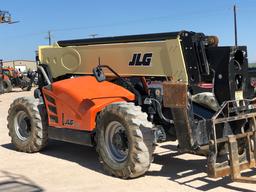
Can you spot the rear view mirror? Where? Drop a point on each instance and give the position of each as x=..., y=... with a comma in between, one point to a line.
x=99, y=74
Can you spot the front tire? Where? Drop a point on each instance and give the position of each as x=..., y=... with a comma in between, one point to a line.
x=27, y=124
x=124, y=140
x=27, y=82
x=7, y=85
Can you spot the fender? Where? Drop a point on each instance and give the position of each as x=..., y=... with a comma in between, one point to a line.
x=5, y=77
x=74, y=103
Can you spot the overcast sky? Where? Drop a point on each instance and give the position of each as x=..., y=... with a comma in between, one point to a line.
x=81, y=18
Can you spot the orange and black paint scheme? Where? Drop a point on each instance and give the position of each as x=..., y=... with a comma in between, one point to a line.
x=1, y=77
x=74, y=103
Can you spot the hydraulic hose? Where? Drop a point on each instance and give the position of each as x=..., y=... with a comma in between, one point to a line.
x=159, y=111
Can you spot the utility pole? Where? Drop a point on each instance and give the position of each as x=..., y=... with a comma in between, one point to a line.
x=235, y=24
x=49, y=37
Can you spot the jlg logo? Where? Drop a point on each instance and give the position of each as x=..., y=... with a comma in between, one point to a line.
x=136, y=60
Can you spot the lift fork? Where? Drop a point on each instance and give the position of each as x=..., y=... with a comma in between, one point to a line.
x=241, y=148
x=236, y=165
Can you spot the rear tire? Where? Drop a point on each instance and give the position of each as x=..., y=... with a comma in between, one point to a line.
x=7, y=85
x=124, y=140
x=28, y=88
x=27, y=124
x=28, y=83
x=207, y=99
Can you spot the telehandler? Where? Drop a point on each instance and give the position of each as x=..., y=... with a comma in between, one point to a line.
x=14, y=78
x=1, y=77
x=125, y=94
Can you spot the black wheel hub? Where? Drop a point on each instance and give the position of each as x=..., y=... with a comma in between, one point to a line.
x=120, y=140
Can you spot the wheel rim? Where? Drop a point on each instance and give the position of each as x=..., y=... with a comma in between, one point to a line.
x=22, y=125
x=116, y=141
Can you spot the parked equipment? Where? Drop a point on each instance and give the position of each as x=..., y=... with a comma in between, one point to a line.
x=1, y=77
x=5, y=17
x=125, y=94
x=14, y=78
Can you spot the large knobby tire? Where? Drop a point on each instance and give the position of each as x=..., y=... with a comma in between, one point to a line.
x=206, y=99
x=28, y=88
x=7, y=85
x=124, y=140
x=28, y=84
x=27, y=124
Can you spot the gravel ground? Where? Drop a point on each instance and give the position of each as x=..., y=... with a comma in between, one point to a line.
x=68, y=167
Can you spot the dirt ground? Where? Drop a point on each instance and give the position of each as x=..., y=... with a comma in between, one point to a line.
x=68, y=167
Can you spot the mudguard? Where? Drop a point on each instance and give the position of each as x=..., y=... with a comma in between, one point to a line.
x=5, y=77
x=74, y=103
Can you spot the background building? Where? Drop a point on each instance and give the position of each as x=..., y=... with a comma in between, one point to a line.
x=23, y=65
x=252, y=65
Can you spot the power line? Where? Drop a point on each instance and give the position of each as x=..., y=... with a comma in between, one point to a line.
x=201, y=15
